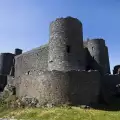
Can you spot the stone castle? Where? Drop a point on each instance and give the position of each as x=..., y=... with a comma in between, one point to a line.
x=66, y=70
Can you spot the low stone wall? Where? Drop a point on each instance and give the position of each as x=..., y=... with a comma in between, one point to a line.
x=55, y=87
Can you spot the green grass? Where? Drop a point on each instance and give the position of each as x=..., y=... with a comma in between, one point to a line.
x=59, y=113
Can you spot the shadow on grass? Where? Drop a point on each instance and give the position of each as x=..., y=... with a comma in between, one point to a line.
x=115, y=106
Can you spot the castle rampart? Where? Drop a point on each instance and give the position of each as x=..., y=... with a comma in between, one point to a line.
x=36, y=59
x=58, y=87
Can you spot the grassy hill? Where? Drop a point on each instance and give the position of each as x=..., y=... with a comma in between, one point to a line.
x=59, y=113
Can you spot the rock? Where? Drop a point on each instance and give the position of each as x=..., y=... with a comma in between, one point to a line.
x=1, y=95
x=85, y=106
x=38, y=105
x=20, y=103
x=10, y=89
x=8, y=94
x=49, y=105
x=29, y=101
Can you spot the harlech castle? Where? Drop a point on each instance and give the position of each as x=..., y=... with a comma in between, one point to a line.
x=65, y=70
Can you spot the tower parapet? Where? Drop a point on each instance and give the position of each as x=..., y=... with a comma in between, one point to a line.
x=66, y=45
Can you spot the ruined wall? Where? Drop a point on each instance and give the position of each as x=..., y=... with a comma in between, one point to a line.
x=66, y=45
x=36, y=59
x=57, y=87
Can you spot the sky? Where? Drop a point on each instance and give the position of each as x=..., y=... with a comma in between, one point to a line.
x=24, y=24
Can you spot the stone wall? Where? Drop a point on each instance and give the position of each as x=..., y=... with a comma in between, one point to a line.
x=108, y=86
x=75, y=87
x=36, y=59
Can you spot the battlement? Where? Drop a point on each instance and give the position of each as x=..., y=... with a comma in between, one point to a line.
x=96, y=41
x=61, y=20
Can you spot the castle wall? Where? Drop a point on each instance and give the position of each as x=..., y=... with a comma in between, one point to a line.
x=66, y=45
x=108, y=86
x=57, y=87
x=36, y=59
x=6, y=62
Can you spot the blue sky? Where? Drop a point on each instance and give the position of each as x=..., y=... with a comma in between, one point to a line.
x=25, y=23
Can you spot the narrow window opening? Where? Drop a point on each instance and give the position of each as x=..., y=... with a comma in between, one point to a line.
x=68, y=49
x=50, y=61
x=92, y=48
x=28, y=72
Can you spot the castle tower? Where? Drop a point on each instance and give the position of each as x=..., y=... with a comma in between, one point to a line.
x=18, y=51
x=66, y=45
x=116, y=69
x=99, y=52
x=6, y=62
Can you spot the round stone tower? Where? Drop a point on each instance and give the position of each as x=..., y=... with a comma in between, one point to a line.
x=116, y=69
x=6, y=62
x=66, y=45
x=18, y=51
x=99, y=52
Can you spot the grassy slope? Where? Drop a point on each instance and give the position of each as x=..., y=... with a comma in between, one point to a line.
x=59, y=113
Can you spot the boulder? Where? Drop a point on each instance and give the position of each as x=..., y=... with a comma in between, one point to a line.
x=29, y=101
